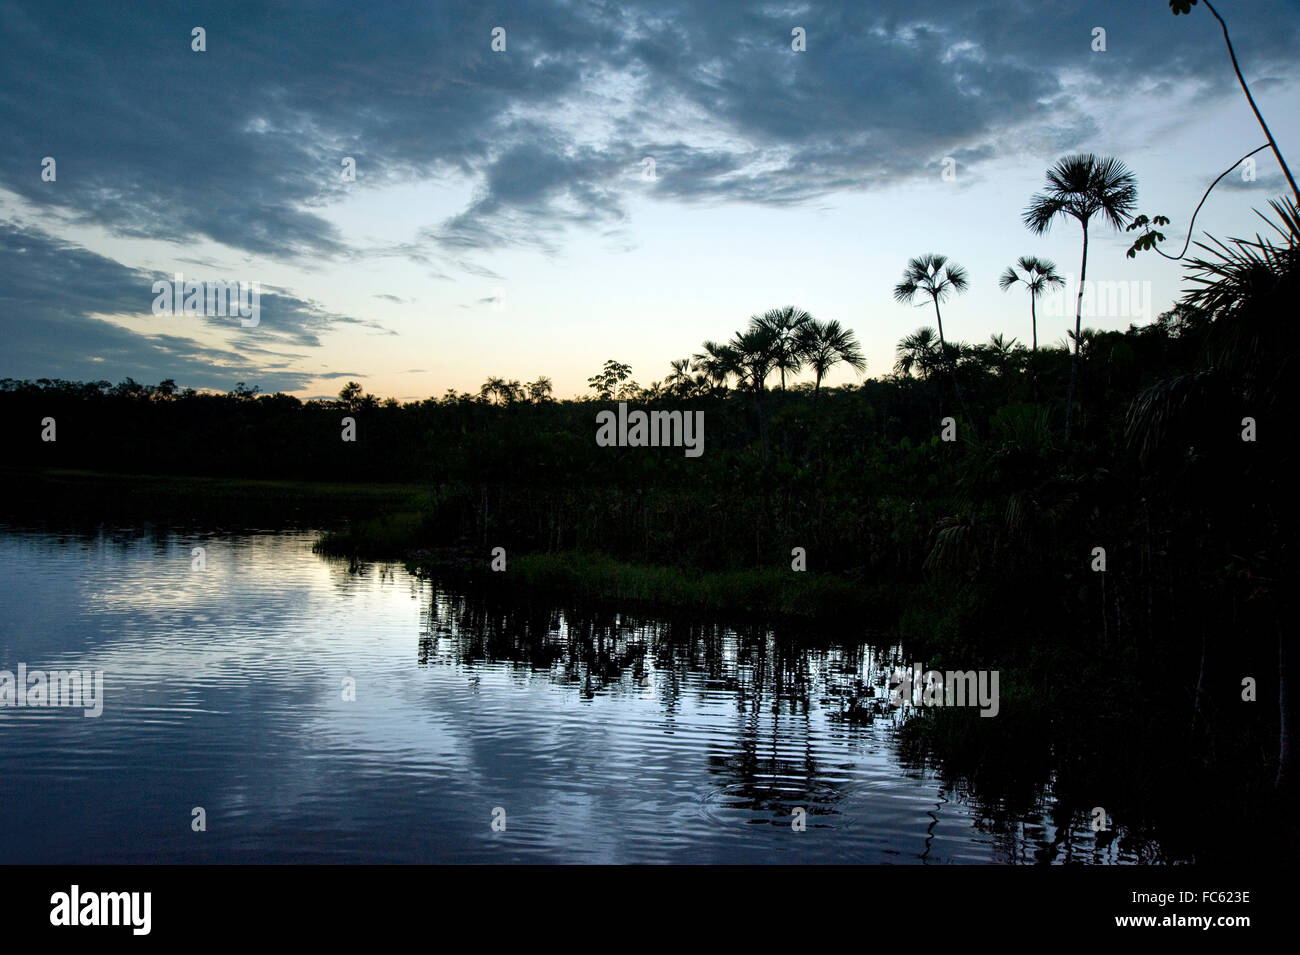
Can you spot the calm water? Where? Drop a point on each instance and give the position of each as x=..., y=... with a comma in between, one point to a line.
x=603, y=738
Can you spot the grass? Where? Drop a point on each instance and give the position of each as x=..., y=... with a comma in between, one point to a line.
x=770, y=592
x=93, y=494
x=396, y=534
x=391, y=521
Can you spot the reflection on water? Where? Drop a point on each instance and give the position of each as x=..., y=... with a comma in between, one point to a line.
x=603, y=737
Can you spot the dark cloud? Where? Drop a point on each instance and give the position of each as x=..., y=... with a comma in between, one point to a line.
x=242, y=144
x=53, y=291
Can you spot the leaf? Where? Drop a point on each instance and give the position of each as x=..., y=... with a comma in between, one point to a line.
x=1181, y=6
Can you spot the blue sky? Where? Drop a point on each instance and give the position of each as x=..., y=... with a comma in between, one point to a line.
x=500, y=223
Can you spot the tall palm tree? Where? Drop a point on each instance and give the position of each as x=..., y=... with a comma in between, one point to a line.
x=933, y=275
x=1037, y=275
x=825, y=344
x=919, y=351
x=785, y=326
x=1082, y=187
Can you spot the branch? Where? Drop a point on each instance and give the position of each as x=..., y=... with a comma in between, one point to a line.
x=1152, y=244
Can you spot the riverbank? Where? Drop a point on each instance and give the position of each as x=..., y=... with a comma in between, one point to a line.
x=43, y=494
x=391, y=521
x=772, y=594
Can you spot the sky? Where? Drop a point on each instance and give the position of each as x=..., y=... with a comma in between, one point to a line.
x=503, y=219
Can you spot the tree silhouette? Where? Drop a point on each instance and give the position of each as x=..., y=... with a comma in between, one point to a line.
x=1185, y=6
x=719, y=362
x=919, y=352
x=755, y=353
x=1082, y=187
x=933, y=275
x=825, y=344
x=1037, y=275
x=784, y=326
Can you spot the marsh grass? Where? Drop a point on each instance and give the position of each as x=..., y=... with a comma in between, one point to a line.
x=595, y=577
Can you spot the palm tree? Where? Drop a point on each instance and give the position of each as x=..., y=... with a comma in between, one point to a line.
x=919, y=351
x=1037, y=275
x=1000, y=351
x=718, y=362
x=935, y=276
x=784, y=325
x=824, y=344
x=496, y=387
x=540, y=390
x=1081, y=187
x=679, y=381
x=755, y=353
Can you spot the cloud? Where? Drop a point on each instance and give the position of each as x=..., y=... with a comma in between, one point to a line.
x=54, y=292
x=242, y=144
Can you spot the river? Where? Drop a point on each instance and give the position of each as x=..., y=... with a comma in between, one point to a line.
x=278, y=706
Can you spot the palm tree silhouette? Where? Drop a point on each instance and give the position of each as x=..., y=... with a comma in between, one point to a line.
x=918, y=351
x=933, y=275
x=507, y=392
x=1000, y=351
x=755, y=353
x=825, y=344
x=679, y=381
x=1081, y=187
x=1037, y=275
x=784, y=326
x=718, y=362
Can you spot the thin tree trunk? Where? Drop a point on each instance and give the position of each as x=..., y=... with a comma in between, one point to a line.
x=1250, y=99
x=1033, y=355
x=1033, y=315
x=952, y=366
x=1078, y=332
